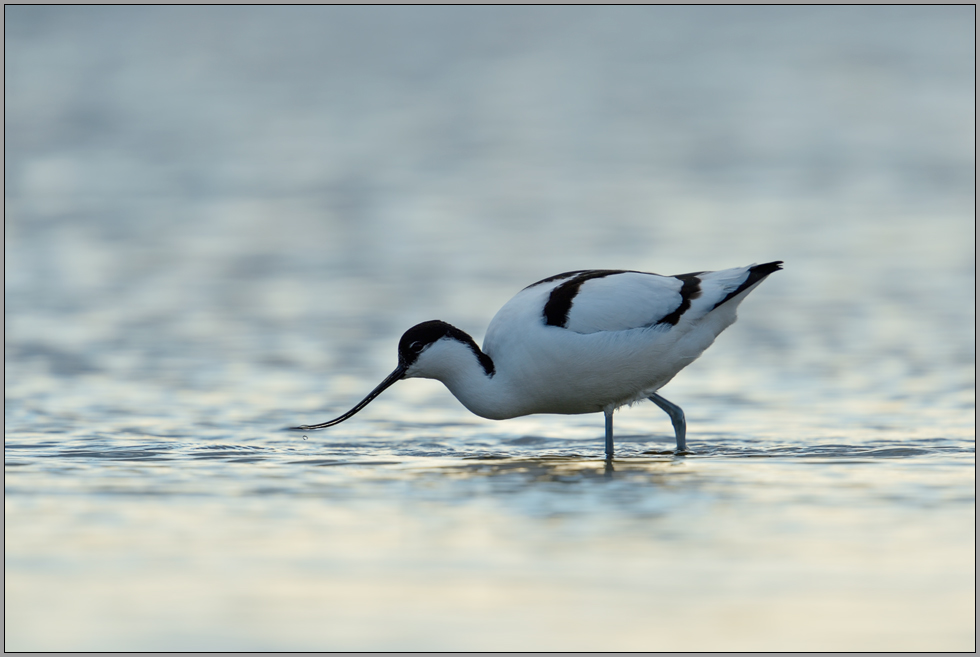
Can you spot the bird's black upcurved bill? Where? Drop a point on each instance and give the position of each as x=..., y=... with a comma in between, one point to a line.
x=397, y=375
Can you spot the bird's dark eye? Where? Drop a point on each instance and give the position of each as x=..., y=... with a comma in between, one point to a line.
x=415, y=346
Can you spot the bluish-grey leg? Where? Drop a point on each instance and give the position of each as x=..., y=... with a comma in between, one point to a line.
x=609, y=435
x=676, y=418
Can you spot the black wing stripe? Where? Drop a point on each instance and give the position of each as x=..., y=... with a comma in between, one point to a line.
x=690, y=289
x=560, y=301
x=756, y=274
x=558, y=277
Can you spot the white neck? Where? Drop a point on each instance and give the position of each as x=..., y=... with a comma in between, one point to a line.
x=458, y=368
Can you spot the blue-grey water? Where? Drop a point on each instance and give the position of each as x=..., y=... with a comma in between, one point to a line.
x=218, y=222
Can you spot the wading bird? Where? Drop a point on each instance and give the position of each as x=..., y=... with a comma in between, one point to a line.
x=585, y=341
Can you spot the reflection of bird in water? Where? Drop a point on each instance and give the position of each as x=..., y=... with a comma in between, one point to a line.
x=584, y=341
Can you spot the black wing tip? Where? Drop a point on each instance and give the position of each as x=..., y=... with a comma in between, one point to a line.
x=756, y=274
x=767, y=268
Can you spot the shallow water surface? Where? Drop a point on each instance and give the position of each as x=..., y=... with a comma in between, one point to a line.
x=465, y=534
x=220, y=221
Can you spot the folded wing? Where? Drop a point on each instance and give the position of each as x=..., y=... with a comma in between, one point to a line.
x=611, y=300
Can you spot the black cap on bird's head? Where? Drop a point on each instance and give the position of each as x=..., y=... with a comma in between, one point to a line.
x=416, y=339
x=413, y=342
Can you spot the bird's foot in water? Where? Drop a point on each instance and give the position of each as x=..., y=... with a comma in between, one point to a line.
x=668, y=452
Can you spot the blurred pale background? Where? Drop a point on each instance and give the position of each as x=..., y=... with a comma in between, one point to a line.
x=219, y=220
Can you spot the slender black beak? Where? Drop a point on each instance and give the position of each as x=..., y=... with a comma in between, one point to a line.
x=397, y=375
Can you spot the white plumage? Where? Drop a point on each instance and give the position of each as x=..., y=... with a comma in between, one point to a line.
x=581, y=342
